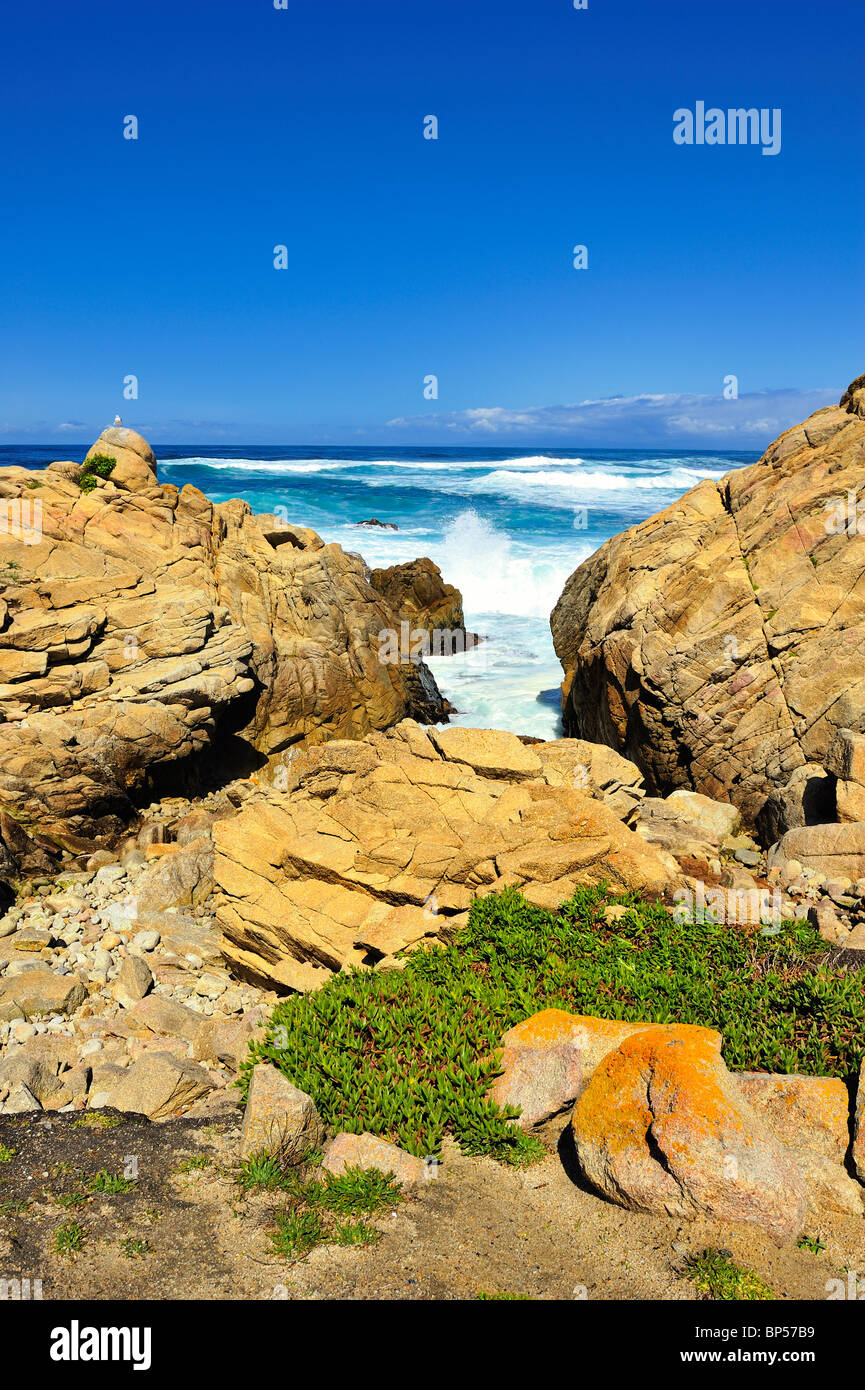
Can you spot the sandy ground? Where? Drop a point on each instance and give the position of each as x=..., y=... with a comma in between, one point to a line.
x=479, y=1227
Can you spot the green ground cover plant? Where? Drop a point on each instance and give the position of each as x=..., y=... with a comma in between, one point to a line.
x=195, y=1164
x=70, y=1238
x=134, y=1248
x=410, y=1054
x=262, y=1171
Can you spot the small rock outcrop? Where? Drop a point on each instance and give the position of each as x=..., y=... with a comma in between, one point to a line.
x=720, y=644
x=374, y=846
x=159, y=1085
x=368, y=1151
x=280, y=1121
x=419, y=595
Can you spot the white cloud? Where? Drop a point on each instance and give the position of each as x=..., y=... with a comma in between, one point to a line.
x=666, y=420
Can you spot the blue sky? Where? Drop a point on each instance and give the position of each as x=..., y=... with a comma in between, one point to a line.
x=410, y=257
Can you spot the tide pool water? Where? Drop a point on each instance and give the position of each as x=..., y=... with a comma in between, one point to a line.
x=505, y=526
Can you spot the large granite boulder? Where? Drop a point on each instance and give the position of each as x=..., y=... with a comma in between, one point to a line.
x=374, y=846
x=663, y=1127
x=834, y=850
x=141, y=625
x=134, y=460
x=720, y=644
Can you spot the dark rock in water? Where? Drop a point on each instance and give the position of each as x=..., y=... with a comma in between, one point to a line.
x=374, y=521
x=446, y=641
x=426, y=702
x=550, y=697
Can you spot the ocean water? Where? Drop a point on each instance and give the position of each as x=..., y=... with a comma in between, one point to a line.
x=506, y=526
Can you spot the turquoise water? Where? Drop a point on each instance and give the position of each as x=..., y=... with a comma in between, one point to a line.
x=506, y=526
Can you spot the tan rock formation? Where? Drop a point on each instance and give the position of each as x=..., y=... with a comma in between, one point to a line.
x=417, y=592
x=810, y=1115
x=720, y=644
x=549, y=1058
x=368, y=1151
x=160, y=1085
x=134, y=460
x=137, y=620
x=377, y=845
x=859, y=1126
x=838, y=850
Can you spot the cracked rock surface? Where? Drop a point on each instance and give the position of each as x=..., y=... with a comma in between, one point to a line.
x=142, y=625
x=720, y=644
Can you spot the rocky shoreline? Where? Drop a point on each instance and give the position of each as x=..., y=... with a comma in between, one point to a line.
x=214, y=791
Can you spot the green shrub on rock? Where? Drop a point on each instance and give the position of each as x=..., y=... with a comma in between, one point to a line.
x=99, y=466
x=411, y=1054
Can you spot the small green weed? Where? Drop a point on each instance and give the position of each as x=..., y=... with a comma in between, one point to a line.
x=70, y=1239
x=297, y=1232
x=262, y=1170
x=717, y=1277
x=94, y=1119
x=134, y=1249
x=195, y=1164
x=310, y=1218
x=357, y=1191
x=812, y=1243
x=110, y=1183
x=99, y=466
x=356, y=1233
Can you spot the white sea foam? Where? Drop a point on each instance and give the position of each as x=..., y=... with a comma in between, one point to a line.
x=455, y=465
x=488, y=524
x=563, y=489
x=256, y=465
x=319, y=465
x=495, y=574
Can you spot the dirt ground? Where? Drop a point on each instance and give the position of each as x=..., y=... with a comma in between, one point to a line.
x=477, y=1228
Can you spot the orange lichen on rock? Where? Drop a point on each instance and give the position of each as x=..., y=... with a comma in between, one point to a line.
x=549, y=1057
x=810, y=1112
x=662, y=1127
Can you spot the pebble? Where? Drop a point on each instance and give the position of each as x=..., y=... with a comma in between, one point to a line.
x=749, y=857
x=146, y=940
x=110, y=873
